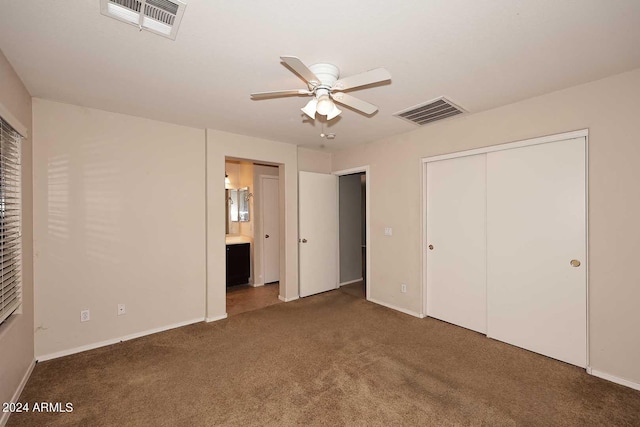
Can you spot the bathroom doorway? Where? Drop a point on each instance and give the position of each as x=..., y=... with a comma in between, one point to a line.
x=252, y=215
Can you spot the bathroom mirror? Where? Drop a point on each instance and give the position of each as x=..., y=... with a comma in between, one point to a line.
x=243, y=204
x=237, y=208
x=232, y=203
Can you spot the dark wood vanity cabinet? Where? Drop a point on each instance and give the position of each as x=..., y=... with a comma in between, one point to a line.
x=238, y=264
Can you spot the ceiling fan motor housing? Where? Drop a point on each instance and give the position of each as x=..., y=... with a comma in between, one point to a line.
x=327, y=73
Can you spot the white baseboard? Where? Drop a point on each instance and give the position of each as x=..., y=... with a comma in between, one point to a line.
x=82, y=348
x=350, y=282
x=4, y=416
x=281, y=298
x=256, y=285
x=400, y=309
x=216, y=318
x=613, y=378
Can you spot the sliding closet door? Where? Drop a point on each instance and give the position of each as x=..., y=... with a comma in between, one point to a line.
x=536, y=251
x=456, y=252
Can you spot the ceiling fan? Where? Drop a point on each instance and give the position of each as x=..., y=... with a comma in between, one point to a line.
x=325, y=87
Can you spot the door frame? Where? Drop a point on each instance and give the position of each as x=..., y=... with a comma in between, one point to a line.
x=262, y=178
x=367, y=174
x=499, y=147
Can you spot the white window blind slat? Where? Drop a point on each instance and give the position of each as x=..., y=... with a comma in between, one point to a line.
x=10, y=227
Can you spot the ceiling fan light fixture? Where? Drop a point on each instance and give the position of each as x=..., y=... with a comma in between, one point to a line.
x=325, y=105
x=334, y=113
x=310, y=108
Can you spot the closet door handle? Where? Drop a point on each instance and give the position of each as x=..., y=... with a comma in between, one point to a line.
x=266, y=236
x=575, y=263
x=430, y=247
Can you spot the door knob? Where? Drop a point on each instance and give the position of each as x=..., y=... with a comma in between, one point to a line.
x=304, y=240
x=430, y=247
x=575, y=263
x=266, y=236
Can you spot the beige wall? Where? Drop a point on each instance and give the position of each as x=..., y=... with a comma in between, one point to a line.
x=16, y=333
x=119, y=217
x=314, y=160
x=610, y=109
x=221, y=145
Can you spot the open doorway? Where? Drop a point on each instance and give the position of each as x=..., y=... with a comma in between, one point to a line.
x=252, y=216
x=353, y=232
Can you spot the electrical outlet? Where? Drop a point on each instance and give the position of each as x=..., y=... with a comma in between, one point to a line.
x=121, y=309
x=388, y=231
x=403, y=288
x=85, y=316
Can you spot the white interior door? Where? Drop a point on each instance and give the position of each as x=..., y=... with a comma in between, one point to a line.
x=271, y=228
x=456, y=238
x=318, y=237
x=536, y=226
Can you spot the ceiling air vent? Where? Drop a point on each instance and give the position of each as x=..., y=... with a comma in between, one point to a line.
x=158, y=16
x=438, y=109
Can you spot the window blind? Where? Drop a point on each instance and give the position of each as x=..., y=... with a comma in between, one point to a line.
x=10, y=247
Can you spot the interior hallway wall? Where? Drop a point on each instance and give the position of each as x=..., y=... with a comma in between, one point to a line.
x=609, y=108
x=363, y=207
x=350, y=208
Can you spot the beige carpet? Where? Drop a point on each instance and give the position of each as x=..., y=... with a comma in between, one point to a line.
x=331, y=359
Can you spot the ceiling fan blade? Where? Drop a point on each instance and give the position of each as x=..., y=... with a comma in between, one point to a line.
x=298, y=66
x=353, y=102
x=368, y=77
x=277, y=93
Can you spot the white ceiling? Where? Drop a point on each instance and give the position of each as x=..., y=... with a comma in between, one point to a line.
x=480, y=54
